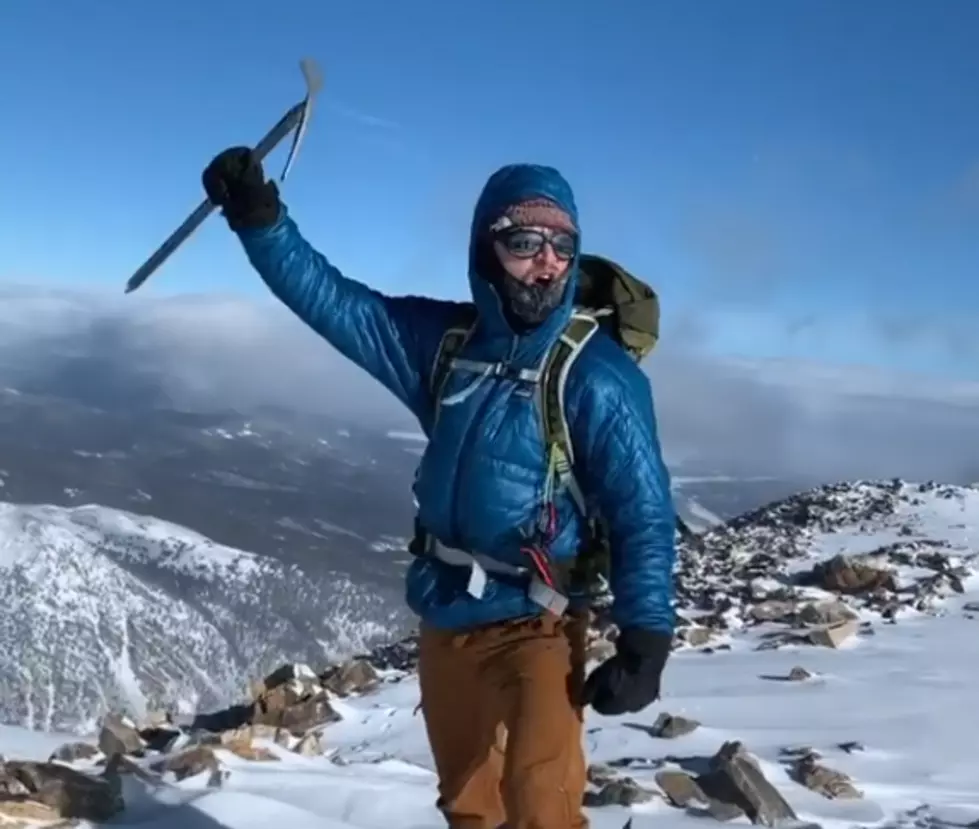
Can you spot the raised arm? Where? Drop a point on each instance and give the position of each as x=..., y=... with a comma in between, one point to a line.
x=392, y=338
x=384, y=335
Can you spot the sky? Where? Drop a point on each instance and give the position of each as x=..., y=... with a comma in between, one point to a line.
x=798, y=180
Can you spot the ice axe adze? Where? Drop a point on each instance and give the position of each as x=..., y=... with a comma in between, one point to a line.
x=295, y=119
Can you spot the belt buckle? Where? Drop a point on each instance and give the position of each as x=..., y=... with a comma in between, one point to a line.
x=547, y=597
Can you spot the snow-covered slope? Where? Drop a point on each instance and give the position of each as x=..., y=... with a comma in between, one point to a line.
x=889, y=706
x=103, y=608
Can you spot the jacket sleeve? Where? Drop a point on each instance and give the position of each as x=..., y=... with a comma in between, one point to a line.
x=623, y=474
x=384, y=335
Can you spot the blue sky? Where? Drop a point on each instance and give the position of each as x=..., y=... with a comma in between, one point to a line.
x=797, y=179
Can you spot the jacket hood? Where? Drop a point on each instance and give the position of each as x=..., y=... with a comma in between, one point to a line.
x=507, y=186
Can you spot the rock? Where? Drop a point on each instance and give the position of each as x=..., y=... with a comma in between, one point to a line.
x=832, y=636
x=734, y=787
x=825, y=613
x=298, y=717
x=249, y=751
x=798, y=752
x=12, y=787
x=680, y=788
x=310, y=746
x=293, y=673
x=772, y=611
x=827, y=782
x=397, y=656
x=156, y=719
x=797, y=674
x=24, y=813
x=66, y=791
x=120, y=736
x=235, y=716
x=241, y=741
x=160, y=739
x=736, y=778
x=695, y=636
x=247, y=734
x=685, y=792
x=599, y=775
x=287, y=704
x=294, y=699
x=621, y=792
x=847, y=575
x=354, y=677
x=120, y=764
x=669, y=727
x=283, y=697
x=73, y=752
x=190, y=763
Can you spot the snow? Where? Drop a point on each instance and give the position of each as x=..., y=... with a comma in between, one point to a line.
x=244, y=432
x=903, y=691
x=905, y=694
x=396, y=434
x=701, y=518
x=23, y=527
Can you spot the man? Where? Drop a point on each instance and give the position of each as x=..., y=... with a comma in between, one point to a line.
x=501, y=665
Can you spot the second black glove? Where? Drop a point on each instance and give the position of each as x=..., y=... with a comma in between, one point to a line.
x=235, y=182
x=629, y=681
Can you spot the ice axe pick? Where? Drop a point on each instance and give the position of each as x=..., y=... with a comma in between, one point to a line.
x=295, y=119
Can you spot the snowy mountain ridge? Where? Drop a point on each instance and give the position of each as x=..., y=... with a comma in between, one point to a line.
x=137, y=537
x=104, y=608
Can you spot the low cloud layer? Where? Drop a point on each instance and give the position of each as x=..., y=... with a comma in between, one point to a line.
x=800, y=420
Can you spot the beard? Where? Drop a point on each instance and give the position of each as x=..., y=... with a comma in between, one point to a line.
x=532, y=303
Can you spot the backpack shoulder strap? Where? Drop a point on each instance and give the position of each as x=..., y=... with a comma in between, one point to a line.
x=453, y=341
x=557, y=435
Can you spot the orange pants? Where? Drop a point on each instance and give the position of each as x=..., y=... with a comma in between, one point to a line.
x=504, y=725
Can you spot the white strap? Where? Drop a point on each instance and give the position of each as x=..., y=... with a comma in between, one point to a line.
x=461, y=558
x=479, y=565
x=481, y=367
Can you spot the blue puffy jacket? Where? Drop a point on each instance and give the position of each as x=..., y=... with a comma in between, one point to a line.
x=481, y=479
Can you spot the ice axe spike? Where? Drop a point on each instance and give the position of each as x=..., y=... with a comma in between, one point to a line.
x=295, y=119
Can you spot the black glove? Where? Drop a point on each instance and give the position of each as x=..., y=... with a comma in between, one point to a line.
x=235, y=182
x=629, y=681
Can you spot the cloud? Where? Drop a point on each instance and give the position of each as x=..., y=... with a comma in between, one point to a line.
x=193, y=351
x=365, y=119
x=789, y=418
x=811, y=420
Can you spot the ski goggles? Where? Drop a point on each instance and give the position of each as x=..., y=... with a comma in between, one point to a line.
x=526, y=242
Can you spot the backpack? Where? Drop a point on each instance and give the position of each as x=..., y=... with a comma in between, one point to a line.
x=608, y=298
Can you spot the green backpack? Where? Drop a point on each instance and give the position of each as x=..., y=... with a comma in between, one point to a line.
x=609, y=298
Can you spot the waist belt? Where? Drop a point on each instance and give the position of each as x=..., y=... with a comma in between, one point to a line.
x=480, y=566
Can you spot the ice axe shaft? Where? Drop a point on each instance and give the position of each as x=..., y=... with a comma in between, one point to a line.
x=295, y=119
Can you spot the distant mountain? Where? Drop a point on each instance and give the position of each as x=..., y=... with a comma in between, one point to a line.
x=103, y=607
x=316, y=492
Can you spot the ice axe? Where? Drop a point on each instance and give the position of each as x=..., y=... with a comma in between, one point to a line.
x=295, y=119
